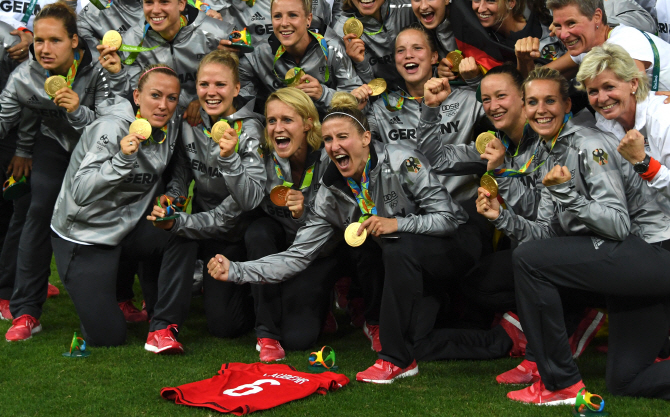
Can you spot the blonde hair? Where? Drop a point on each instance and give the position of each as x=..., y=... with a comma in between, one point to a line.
x=303, y=105
x=225, y=58
x=619, y=61
x=544, y=73
x=306, y=6
x=345, y=105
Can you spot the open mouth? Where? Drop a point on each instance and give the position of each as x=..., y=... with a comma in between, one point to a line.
x=498, y=116
x=484, y=16
x=282, y=142
x=367, y=1
x=287, y=33
x=213, y=103
x=428, y=17
x=411, y=67
x=342, y=161
x=544, y=120
x=158, y=19
x=570, y=44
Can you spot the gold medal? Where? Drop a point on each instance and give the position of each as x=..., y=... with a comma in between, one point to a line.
x=296, y=74
x=378, y=86
x=53, y=84
x=352, y=238
x=489, y=184
x=482, y=140
x=455, y=58
x=142, y=127
x=218, y=129
x=279, y=194
x=112, y=38
x=353, y=25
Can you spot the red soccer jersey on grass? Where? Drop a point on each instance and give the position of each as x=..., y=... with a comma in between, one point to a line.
x=241, y=388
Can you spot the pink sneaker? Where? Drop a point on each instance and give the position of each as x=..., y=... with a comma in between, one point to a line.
x=383, y=372
x=270, y=349
x=372, y=332
x=525, y=373
x=131, y=313
x=23, y=328
x=163, y=341
x=510, y=322
x=537, y=394
x=5, y=314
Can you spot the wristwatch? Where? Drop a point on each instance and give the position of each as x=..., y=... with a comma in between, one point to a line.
x=642, y=166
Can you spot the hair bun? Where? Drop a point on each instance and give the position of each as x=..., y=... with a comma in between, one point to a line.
x=342, y=99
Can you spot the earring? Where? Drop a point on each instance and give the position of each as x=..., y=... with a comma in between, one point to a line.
x=597, y=27
x=633, y=92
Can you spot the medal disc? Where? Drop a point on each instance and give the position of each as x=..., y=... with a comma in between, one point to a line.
x=455, y=58
x=218, y=129
x=482, y=140
x=353, y=25
x=278, y=195
x=352, y=238
x=295, y=74
x=112, y=38
x=142, y=127
x=53, y=84
x=378, y=86
x=489, y=184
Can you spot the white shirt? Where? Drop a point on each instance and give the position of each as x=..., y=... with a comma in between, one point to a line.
x=639, y=48
x=12, y=11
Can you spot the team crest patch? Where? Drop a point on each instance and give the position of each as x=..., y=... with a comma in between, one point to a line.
x=413, y=164
x=600, y=156
x=549, y=52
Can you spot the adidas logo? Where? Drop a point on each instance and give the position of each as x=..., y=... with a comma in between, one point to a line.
x=396, y=120
x=33, y=99
x=190, y=147
x=257, y=16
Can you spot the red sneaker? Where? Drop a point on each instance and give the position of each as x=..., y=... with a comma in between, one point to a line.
x=23, y=328
x=537, y=394
x=525, y=373
x=372, y=332
x=5, y=314
x=383, y=372
x=330, y=324
x=163, y=341
x=510, y=322
x=131, y=313
x=270, y=349
x=592, y=321
x=52, y=290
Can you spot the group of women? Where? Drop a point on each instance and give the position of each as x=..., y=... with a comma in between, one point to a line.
x=396, y=171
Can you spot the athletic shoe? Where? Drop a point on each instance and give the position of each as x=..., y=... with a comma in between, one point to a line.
x=330, y=324
x=537, y=394
x=5, y=314
x=131, y=313
x=23, y=328
x=163, y=341
x=383, y=372
x=52, y=290
x=525, y=373
x=510, y=322
x=587, y=329
x=372, y=332
x=270, y=349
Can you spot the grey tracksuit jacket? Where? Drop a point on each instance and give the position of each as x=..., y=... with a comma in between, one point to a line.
x=605, y=197
x=225, y=188
x=106, y=193
x=401, y=185
x=629, y=13
x=379, y=59
x=121, y=16
x=25, y=90
x=258, y=78
x=7, y=64
x=444, y=35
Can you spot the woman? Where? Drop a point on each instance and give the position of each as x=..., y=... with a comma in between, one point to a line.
x=372, y=53
x=112, y=178
x=57, y=52
x=325, y=67
x=416, y=236
x=608, y=221
x=619, y=93
x=229, y=179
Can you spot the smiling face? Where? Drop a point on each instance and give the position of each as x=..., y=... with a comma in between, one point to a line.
x=612, y=97
x=158, y=98
x=430, y=12
x=286, y=129
x=346, y=146
x=576, y=31
x=413, y=57
x=216, y=90
x=503, y=102
x=290, y=23
x=489, y=12
x=53, y=47
x=164, y=16
x=545, y=108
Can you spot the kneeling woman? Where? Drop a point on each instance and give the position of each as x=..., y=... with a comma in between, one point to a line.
x=98, y=218
x=388, y=193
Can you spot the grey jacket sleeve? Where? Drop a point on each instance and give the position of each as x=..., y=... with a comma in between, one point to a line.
x=28, y=127
x=524, y=230
x=123, y=82
x=208, y=224
x=180, y=173
x=10, y=108
x=248, y=77
x=83, y=116
x=521, y=198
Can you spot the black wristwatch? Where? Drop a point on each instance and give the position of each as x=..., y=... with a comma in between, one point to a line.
x=643, y=166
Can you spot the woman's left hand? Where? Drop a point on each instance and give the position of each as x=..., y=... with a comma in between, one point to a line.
x=19, y=52
x=67, y=99
x=631, y=147
x=377, y=226
x=311, y=86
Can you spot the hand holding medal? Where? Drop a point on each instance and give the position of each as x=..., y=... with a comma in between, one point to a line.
x=354, y=46
x=487, y=202
x=138, y=132
x=226, y=137
x=491, y=150
x=57, y=88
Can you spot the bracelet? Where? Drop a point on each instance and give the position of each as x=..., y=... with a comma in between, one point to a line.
x=654, y=167
x=22, y=29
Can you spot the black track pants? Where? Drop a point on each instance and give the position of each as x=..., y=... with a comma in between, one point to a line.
x=10, y=247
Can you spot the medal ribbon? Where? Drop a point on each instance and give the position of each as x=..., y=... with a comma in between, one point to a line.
x=29, y=11
x=306, y=180
x=400, y=102
x=657, y=66
x=281, y=50
x=135, y=50
x=163, y=129
x=100, y=6
x=362, y=193
x=72, y=72
x=237, y=125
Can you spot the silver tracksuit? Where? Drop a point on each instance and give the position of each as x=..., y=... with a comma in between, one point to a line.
x=105, y=192
x=629, y=13
x=446, y=41
x=379, y=59
x=258, y=78
x=225, y=188
x=7, y=64
x=121, y=16
x=401, y=185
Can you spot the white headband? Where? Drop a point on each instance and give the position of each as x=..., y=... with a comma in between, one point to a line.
x=346, y=114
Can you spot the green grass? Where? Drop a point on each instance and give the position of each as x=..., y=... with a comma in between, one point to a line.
x=35, y=380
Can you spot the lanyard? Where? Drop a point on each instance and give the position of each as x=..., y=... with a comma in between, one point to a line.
x=375, y=33
x=29, y=11
x=281, y=50
x=362, y=193
x=237, y=125
x=135, y=50
x=657, y=63
x=163, y=129
x=72, y=72
x=399, y=103
x=306, y=179
x=100, y=6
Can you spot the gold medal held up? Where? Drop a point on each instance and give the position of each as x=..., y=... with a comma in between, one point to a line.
x=378, y=86
x=482, y=140
x=279, y=194
x=352, y=238
x=489, y=184
x=142, y=127
x=455, y=57
x=112, y=38
x=53, y=84
x=218, y=129
x=353, y=25
x=293, y=76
